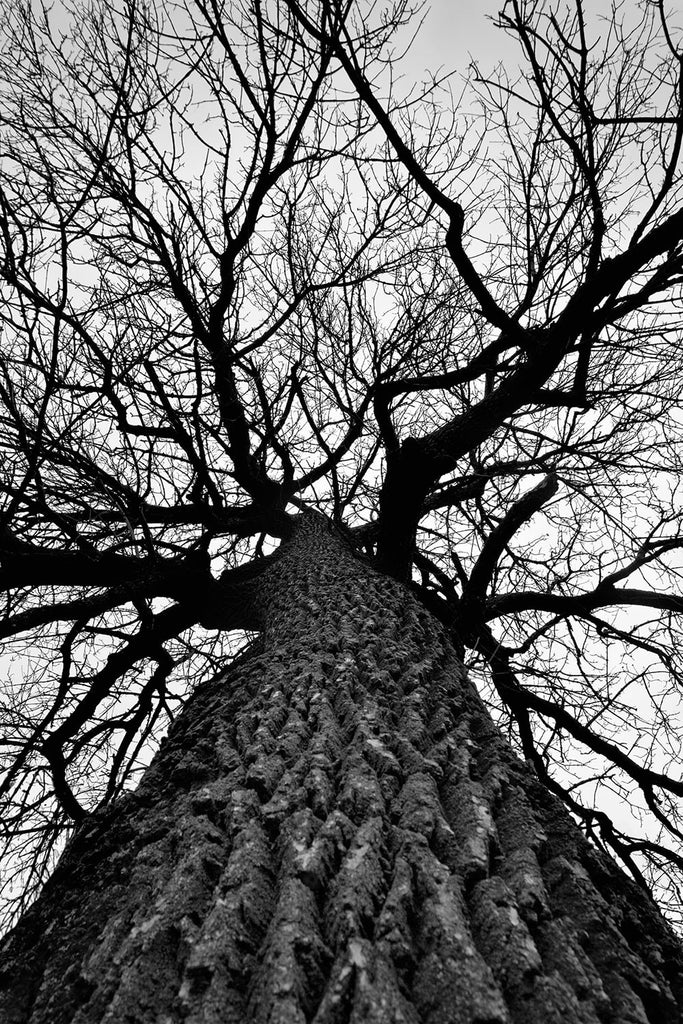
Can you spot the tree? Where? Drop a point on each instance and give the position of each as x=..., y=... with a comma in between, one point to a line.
x=375, y=382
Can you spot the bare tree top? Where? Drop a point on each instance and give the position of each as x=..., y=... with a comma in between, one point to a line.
x=246, y=271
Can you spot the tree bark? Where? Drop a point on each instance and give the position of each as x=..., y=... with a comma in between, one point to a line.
x=335, y=831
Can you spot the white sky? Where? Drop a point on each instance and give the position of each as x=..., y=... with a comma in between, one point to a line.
x=453, y=33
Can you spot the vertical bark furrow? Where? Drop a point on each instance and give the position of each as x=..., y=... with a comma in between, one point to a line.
x=546, y=862
x=335, y=832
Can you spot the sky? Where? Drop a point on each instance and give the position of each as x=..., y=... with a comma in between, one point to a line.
x=452, y=34
x=455, y=31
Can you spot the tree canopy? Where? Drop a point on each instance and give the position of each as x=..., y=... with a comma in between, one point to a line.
x=247, y=269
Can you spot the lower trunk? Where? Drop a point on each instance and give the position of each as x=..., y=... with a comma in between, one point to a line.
x=335, y=831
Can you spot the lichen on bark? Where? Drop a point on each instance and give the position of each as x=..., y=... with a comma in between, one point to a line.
x=335, y=831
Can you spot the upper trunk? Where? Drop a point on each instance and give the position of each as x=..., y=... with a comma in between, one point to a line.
x=335, y=831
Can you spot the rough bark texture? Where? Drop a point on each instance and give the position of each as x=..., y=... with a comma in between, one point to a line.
x=335, y=831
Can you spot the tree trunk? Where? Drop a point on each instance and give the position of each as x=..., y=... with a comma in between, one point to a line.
x=335, y=831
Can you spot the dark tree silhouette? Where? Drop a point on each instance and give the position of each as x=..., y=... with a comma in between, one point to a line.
x=316, y=388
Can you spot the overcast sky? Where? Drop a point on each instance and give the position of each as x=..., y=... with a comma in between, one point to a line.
x=454, y=33
x=454, y=30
